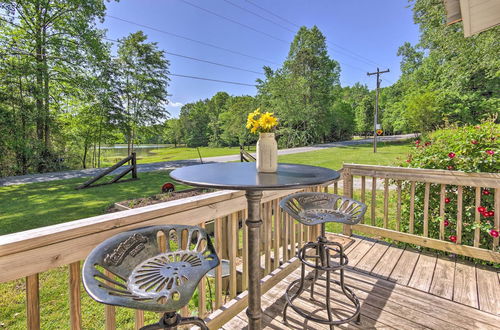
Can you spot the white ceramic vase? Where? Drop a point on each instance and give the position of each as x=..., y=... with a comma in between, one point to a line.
x=267, y=153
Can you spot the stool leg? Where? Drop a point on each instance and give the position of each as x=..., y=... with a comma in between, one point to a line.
x=316, y=271
x=299, y=291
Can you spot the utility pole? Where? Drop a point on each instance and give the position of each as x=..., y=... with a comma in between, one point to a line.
x=375, y=117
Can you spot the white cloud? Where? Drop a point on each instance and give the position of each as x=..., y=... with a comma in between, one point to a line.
x=172, y=104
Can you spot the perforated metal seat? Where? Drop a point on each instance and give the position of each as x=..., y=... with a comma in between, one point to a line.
x=311, y=209
x=135, y=269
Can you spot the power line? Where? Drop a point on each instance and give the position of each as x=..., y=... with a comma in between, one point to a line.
x=258, y=15
x=234, y=21
x=191, y=39
x=346, y=51
x=273, y=14
x=199, y=59
x=209, y=79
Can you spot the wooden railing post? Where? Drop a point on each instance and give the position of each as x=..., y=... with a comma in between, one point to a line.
x=348, y=192
x=75, y=311
x=33, y=302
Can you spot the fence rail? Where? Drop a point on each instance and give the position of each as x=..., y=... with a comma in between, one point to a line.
x=415, y=190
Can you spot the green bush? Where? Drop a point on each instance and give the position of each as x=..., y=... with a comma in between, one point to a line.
x=467, y=149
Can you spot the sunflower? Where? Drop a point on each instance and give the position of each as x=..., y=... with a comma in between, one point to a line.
x=267, y=121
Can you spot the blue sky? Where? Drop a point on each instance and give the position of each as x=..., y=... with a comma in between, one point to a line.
x=361, y=34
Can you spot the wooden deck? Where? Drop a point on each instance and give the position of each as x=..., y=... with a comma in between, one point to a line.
x=401, y=289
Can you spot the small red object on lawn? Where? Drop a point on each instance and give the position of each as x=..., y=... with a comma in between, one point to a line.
x=167, y=187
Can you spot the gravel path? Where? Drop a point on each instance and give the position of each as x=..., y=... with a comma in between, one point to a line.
x=44, y=177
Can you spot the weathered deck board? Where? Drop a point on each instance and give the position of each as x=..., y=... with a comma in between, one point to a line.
x=371, y=258
x=465, y=285
x=444, y=275
x=404, y=268
x=424, y=270
x=404, y=290
x=489, y=289
x=387, y=263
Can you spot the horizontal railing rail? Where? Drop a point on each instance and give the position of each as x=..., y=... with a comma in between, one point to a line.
x=28, y=254
x=426, y=207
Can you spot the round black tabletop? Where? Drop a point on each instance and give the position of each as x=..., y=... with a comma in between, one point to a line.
x=244, y=176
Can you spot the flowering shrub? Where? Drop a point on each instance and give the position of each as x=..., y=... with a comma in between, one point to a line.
x=468, y=149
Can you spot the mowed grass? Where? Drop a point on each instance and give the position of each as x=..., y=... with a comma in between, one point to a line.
x=34, y=205
x=180, y=153
x=388, y=153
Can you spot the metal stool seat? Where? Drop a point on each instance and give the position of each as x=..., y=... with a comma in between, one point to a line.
x=310, y=209
x=139, y=270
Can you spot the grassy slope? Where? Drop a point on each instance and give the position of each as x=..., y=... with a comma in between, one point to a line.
x=387, y=154
x=41, y=204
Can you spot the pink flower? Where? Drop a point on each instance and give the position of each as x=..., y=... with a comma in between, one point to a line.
x=449, y=167
x=477, y=127
x=473, y=141
x=494, y=233
x=446, y=223
x=447, y=200
x=453, y=238
x=408, y=160
x=417, y=142
x=451, y=155
x=486, y=192
x=490, y=152
x=481, y=209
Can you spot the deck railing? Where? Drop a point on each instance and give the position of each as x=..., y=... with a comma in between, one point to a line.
x=416, y=203
x=27, y=254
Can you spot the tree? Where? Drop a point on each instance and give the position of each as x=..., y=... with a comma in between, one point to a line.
x=194, y=119
x=173, y=131
x=233, y=121
x=300, y=91
x=216, y=105
x=142, y=79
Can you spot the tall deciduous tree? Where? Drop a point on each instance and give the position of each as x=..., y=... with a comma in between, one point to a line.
x=300, y=91
x=142, y=79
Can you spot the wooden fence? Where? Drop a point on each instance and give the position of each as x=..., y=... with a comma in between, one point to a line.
x=414, y=190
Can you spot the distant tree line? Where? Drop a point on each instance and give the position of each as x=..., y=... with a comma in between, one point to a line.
x=64, y=91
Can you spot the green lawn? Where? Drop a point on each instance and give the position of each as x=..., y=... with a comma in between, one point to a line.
x=41, y=204
x=170, y=154
x=389, y=153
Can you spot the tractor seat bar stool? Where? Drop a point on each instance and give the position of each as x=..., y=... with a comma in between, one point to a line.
x=153, y=268
x=310, y=209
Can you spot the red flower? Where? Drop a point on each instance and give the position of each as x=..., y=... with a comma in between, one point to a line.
x=449, y=167
x=451, y=155
x=494, y=233
x=481, y=209
x=453, y=238
x=447, y=200
x=486, y=192
x=408, y=160
x=427, y=144
x=490, y=213
x=446, y=223
x=417, y=142
x=473, y=141
x=477, y=127
x=490, y=152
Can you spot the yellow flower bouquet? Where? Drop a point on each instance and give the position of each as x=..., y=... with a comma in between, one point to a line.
x=258, y=122
x=267, y=148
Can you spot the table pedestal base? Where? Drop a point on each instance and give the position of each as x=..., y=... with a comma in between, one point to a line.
x=254, y=221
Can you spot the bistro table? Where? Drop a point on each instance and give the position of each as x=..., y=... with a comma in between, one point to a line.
x=244, y=176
